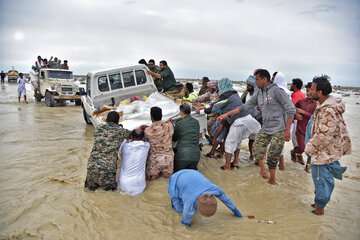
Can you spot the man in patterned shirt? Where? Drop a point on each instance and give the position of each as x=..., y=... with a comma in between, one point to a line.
x=161, y=156
x=101, y=168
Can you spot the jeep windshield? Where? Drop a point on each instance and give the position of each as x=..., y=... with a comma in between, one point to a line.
x=60, y=74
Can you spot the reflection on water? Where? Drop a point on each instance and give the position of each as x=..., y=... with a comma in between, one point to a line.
x=43, y=156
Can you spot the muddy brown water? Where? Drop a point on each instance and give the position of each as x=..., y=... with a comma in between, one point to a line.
x=43, y=156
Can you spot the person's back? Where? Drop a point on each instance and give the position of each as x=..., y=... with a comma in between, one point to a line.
x=168, y=78
x=101, y=168
x=186, y=136
x=161, y=156
x=159, y=135
x=132, y=171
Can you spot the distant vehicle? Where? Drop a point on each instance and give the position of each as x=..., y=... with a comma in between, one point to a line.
x=12, y=75
x=55, y=86
x=111, y=86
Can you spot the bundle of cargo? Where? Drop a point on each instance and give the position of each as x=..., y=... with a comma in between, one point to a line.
x=135, y=111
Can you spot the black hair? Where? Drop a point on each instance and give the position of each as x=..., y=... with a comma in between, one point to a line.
x=297, y=82
x=152, y=61
x=206, y=79
x=113, y=117
x=185, y=108
x=163, y=62
x=308, y=85
x=273, y=76
x=263, y=73
x=137, y=134
x=142, y=61
x=323, y=84
x=189, y=87
x=156, y=113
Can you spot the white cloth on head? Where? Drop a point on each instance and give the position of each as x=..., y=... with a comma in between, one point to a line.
x=241, y=129
x=132, y=170
x=280, y=81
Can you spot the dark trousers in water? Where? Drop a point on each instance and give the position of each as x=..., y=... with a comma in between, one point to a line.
x=323, y=178
x=186, y=158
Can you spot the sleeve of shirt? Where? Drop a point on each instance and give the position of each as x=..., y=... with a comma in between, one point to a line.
x=164, y=74
x=177, y=204
x=228, y=203
x=252, y=102
x=176, y=131
x=187, y=214
x=121, y=146
x=218, y=106
x=285, y=102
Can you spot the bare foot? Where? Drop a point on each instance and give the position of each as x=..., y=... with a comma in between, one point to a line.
x=264, y=174
x=318, y=211
x=272, y=182
x=225, y=167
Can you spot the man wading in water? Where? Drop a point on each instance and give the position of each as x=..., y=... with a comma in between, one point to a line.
x=329, y=142
x=274, y=104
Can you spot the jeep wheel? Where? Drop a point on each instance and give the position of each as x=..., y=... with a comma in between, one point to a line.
x=49, y=99
x=78, y=102
x=86, y=117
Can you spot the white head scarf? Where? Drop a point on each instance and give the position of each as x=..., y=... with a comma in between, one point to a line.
x=280, y=81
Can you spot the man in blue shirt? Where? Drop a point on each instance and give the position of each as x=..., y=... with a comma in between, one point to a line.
x=189, y=191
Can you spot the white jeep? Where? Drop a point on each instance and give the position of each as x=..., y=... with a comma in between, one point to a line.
x=55, y=86
x=110, y=87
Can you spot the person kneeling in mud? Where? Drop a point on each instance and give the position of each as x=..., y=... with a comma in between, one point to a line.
x=190, y=191
x=101, y=168
x=133, y=154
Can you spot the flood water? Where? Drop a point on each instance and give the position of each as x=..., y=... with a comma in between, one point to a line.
x=43, y=157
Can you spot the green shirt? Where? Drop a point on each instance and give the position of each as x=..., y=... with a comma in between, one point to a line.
x=186, y=136
x=157, y=81
x=168, y=79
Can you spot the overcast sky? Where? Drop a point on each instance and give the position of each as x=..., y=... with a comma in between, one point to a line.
x=228, y=38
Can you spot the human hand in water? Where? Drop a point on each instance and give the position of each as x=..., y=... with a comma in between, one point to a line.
x=237, y=213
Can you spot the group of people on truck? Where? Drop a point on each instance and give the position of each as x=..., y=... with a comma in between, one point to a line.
x=265, y=114
x=53, y=62
x=163, y=76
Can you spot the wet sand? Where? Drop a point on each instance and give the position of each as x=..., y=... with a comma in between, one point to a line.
x=43, y=156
